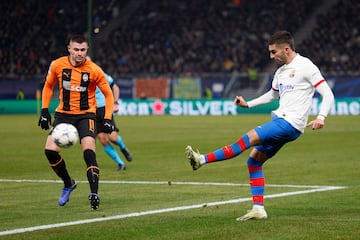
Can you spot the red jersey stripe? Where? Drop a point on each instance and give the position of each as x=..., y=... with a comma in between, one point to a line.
x=318, y=83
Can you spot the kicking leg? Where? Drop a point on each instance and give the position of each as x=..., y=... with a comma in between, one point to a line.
x=57, y=163
x=227, y=152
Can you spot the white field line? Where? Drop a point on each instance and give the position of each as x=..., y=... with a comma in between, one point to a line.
x=164, y=182
x=165, y=210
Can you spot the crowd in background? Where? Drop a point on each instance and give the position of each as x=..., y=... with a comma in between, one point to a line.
x=171, y=37
x=199, y=36
x=334, y=45
x=35, y=32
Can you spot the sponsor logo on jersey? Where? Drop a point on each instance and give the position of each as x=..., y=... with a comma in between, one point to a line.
x=287, y=87
x=67, y=86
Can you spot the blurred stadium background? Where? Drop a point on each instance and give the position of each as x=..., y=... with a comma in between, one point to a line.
x=179, y=49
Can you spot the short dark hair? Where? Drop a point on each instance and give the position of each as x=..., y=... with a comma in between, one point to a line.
x=282, y=37
x=77, y=38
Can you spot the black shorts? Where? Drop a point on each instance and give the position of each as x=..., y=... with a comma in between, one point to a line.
x=84, y=123
x=100, y=113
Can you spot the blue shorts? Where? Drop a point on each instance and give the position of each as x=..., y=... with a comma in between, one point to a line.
x=274, y=134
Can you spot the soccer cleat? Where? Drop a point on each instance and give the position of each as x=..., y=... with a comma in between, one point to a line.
x=121, y=167
x=94, y=200
x=127, y=154
x=194, y=158
x=256, y=213
x=65, y=194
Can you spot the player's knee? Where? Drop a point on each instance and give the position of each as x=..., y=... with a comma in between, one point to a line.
x=113, y=137
x=52, y=156
x=103, y=139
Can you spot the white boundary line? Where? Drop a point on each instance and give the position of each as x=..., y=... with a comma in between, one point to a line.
x=165, y=210
x=164, y=182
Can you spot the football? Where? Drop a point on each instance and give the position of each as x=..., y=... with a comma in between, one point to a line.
x=65, y=135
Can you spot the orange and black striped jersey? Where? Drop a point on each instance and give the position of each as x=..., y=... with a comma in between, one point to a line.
x=77, y=86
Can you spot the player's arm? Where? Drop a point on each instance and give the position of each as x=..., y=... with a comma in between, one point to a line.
x=327, y=101
x=263, y=99
x=109, y=98
x=116, y=93
x=47, y=92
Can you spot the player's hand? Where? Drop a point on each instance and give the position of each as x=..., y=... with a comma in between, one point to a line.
x=45, y=119
x=108, y=126
x=240, y=101
x=316, y=124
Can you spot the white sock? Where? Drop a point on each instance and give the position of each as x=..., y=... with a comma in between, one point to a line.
x=258, y=207
x=202, y=160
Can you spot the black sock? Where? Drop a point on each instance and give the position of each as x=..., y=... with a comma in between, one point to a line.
x=57, y=163
x=92, y=170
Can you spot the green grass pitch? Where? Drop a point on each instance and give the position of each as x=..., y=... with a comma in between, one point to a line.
x=328, y=157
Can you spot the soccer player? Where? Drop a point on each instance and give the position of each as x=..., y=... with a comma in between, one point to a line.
x=77, y=79
x=105, y=138
x=294, y=83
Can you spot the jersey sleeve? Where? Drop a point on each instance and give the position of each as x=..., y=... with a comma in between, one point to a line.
x=327, y=97
x=321, y=86
x=267, y=97
x=104, y=86
x=50, y=81
x=313, y=74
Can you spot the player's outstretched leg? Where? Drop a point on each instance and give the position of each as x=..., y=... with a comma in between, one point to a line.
x=224, y=153
x=196, y=159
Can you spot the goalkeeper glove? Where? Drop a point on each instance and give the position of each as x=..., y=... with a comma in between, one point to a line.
x=45, y=119
x=108, y=126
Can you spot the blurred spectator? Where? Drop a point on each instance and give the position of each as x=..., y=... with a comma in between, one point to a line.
x=253, y=76
x=30, y=30
x=200, y=36
x=207, y=93
x=20, y=95
x=172, y=37
x=334, y=45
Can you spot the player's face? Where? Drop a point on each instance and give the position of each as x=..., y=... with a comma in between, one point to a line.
x=77, y=52
x=279, y=53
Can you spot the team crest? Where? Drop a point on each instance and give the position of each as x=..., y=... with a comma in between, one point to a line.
x=292, y=74
x=85, y=77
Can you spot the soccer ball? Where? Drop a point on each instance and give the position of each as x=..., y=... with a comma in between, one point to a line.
x=65, y=135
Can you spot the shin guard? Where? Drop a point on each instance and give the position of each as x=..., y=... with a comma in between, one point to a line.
x=57, y=163
x=257, y=181
x=92, y=171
